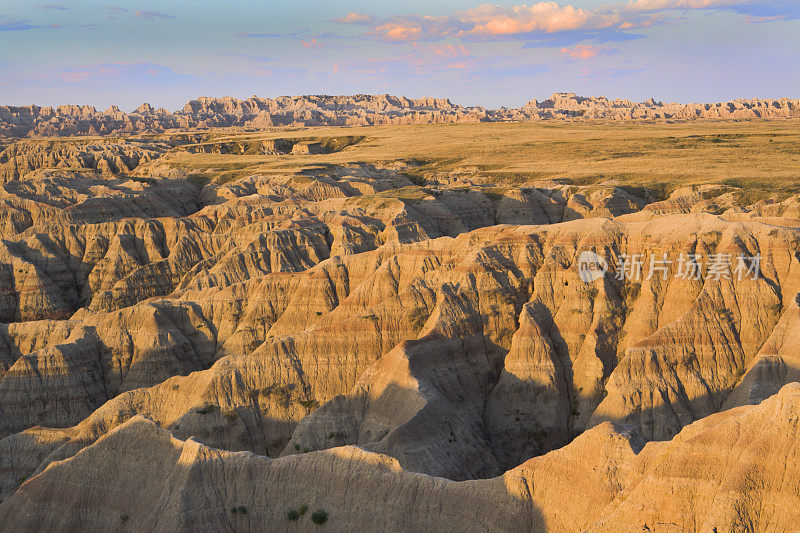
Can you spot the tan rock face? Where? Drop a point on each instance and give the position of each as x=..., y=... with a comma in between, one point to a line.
x=360, y=110
x=614, y=483
x=22, y=158
x=431, y=348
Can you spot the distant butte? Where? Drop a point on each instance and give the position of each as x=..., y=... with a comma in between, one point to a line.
x=361, y=110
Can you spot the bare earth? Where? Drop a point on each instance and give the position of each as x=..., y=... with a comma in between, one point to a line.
x=385, y=328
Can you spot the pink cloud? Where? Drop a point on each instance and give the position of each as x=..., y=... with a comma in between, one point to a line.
x=313, y=43
x=760, y=20
x=354, y=17
x=548, y=17
x=653, y=5
x=449, y=51
x=412, y=29
x=80, y=74
x=489, y=21
x=583, y=51
x=398, y=32
x=642, y=23
x=423, y=60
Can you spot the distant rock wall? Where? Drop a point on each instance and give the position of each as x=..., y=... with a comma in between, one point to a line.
x=568, y=104
x=358, y=110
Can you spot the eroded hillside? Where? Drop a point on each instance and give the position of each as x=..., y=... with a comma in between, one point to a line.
x=361, y=110
x=234, y=327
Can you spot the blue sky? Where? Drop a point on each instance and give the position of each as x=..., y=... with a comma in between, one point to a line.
x=165, y=53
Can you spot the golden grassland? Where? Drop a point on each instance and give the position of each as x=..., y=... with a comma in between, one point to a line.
x=761, y=157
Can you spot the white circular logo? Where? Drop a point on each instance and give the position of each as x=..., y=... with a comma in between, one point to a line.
x=591, y=266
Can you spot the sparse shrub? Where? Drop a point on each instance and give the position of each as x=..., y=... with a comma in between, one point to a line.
x=283, y=394
x=308, y=404
x=598, y=392
x=319, y=313
x=296, y=446
x=775, y=309
x=207, y=408
x=417, y=318
x=242, y=509
x=292, y=515
x=632, y=289
x=124, y=518
x=615, y=313
x=319, y=516
x=303, y=510
x=198, y=180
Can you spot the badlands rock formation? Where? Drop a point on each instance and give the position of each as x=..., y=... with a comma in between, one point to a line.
x=359, y=110
x=349, y=344
x=614, y=482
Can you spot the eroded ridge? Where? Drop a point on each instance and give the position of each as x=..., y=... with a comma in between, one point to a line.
x=334, y=331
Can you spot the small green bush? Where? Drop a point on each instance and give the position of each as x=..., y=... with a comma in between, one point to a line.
x=319, y=516
x=292, y=515
x=303, y=509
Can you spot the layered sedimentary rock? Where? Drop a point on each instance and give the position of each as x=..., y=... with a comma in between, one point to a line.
x=206, y=112
x=459, y=357
x=20, y=158
x=613, y=483
x=349, y=329
x=562, y=105
x=360, y=110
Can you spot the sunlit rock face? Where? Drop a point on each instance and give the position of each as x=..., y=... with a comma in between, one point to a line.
x=394, y=350
x=360, y=110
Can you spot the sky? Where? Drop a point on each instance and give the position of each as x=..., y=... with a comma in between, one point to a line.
x=504, y=54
